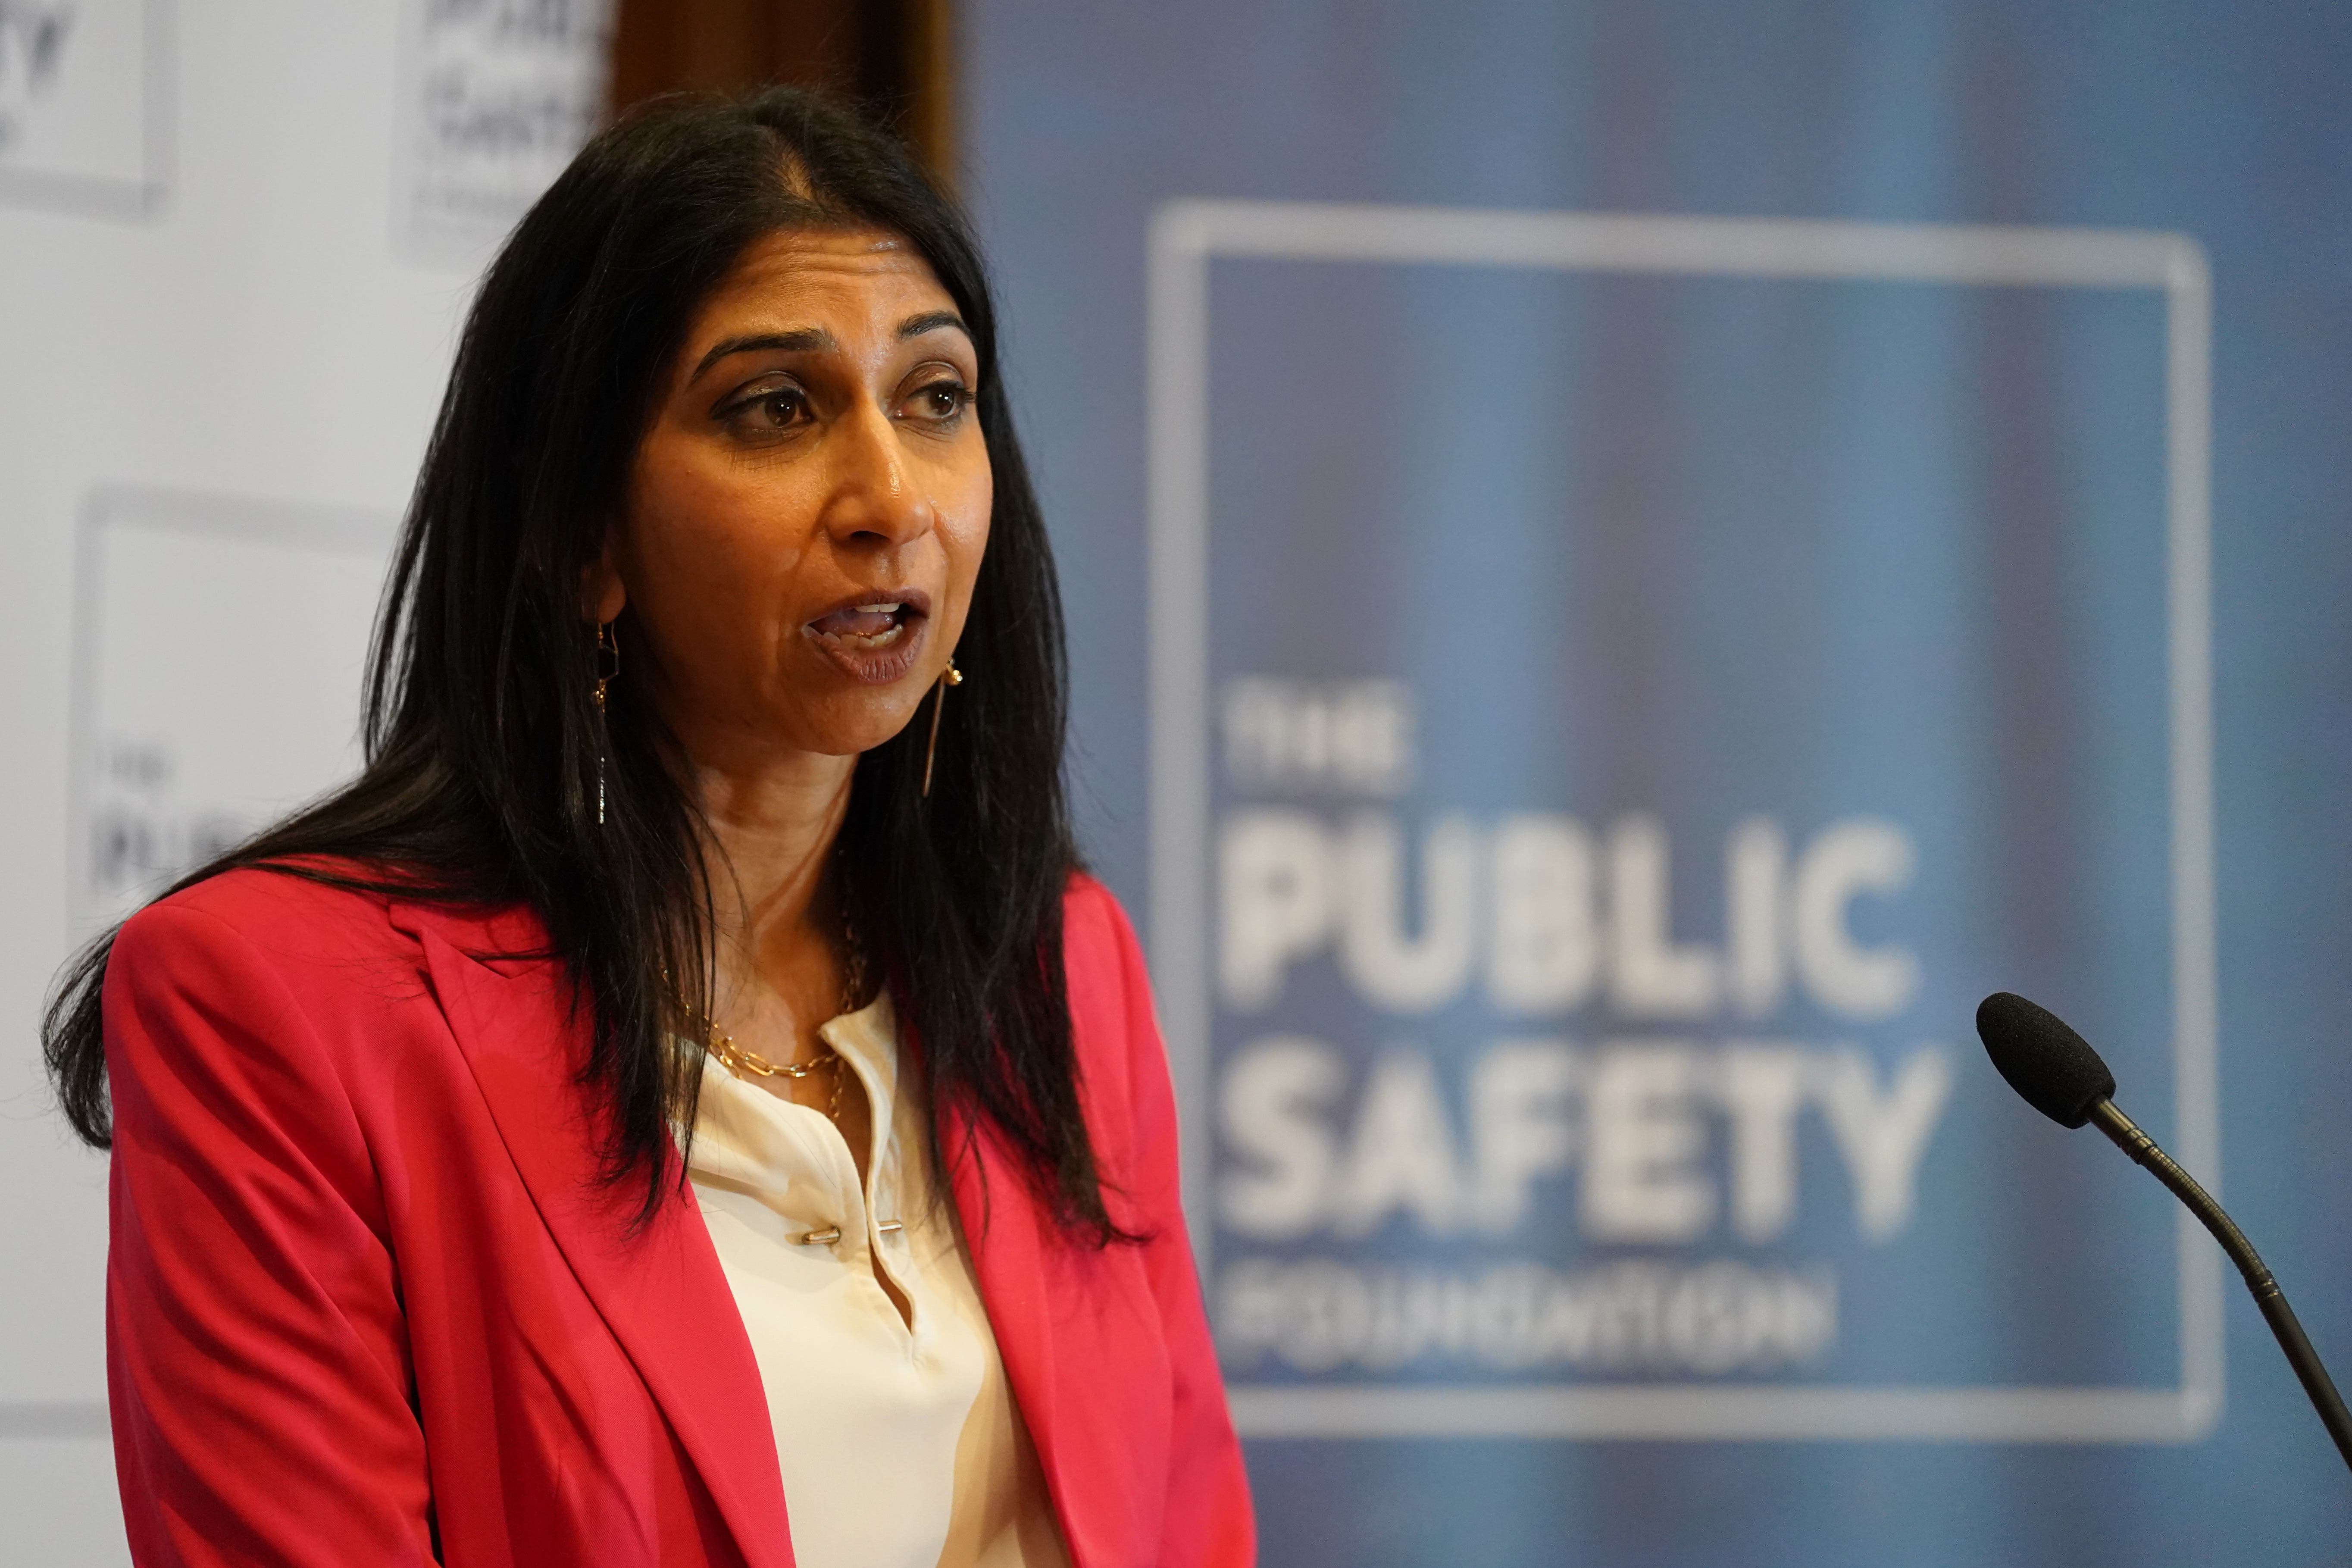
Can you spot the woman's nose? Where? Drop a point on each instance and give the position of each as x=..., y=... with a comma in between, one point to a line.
x=875, y=495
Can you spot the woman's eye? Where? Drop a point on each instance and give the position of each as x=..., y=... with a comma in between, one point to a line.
x=777, y=409
x=940, y=400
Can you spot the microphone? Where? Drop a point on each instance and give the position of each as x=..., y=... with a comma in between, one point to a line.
x=2055, y=1071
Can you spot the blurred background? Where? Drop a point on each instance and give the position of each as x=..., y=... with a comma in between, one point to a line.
x=1626, y=562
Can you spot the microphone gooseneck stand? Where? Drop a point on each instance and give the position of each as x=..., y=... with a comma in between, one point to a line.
x=2126, y=1135
x=2055, y=1071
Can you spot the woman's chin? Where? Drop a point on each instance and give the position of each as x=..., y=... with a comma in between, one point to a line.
x=856, y=721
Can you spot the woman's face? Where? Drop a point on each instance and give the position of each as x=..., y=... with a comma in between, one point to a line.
x=808, y=506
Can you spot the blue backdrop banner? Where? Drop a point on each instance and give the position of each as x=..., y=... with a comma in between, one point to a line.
x=1630, y=563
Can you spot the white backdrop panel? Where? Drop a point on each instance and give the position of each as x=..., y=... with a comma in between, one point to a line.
x=256, y=326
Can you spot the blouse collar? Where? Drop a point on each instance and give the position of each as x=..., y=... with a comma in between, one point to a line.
x=744, y=1134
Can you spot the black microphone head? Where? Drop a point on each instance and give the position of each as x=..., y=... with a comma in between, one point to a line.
x=2052, y=1066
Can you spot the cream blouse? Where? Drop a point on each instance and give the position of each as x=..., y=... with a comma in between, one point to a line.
x=900, y=1444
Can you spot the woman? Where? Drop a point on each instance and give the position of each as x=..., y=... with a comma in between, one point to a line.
x=685, y=1075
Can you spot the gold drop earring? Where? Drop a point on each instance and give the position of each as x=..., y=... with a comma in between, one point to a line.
x=951, y=676
x=608, y=667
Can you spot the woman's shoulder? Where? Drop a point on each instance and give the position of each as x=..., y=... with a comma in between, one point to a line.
x=260, y=983
x=1098, y=939
x=268, y=906
x=322, y=918
x=1111, y=1010
x=279, y=973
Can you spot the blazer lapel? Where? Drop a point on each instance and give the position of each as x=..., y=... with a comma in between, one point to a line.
x=662, y=1291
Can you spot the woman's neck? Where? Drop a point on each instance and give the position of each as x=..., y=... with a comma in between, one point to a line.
x=772, y=831
x=782, y=967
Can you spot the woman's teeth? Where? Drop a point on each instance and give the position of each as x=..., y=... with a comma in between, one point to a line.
x=863, y=626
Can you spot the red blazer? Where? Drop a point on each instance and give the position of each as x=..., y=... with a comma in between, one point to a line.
x=365, y=1304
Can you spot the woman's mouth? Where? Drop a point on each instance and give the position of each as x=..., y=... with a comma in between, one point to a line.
x=873, y=640
x=863, y=626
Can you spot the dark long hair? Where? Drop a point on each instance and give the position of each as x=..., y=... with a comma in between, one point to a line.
x=481, y=782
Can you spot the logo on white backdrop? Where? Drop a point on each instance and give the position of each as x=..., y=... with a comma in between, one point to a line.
x=220, y=646
x=495, y=97
x=80, y=115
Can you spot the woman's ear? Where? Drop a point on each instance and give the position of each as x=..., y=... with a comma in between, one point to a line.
x=602, y=591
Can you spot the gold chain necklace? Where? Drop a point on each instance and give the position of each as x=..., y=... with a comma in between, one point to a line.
x=739, y=1060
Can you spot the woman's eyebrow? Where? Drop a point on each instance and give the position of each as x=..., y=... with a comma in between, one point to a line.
x=809, y=340
x=803, y=340
x=931, y=321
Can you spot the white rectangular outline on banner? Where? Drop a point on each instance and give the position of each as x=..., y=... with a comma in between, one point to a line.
x=110, y=508
x=1185, y=236
x=103, y=196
